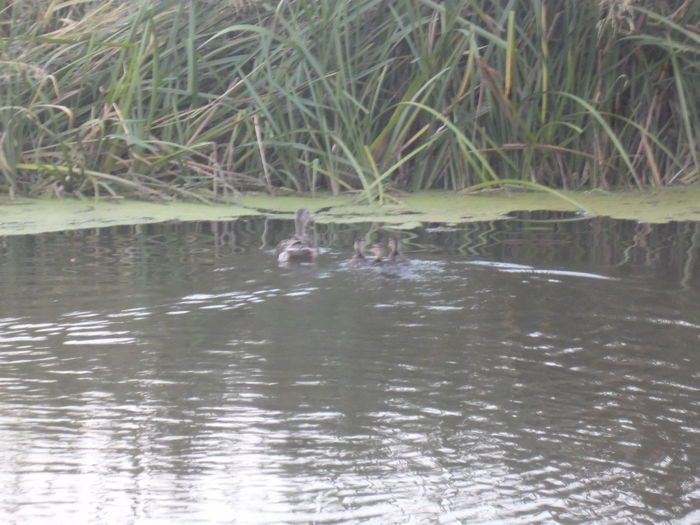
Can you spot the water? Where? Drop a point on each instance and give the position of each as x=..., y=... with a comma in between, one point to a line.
x=518, y=372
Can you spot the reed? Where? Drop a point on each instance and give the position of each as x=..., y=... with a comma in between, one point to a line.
x=201, y=100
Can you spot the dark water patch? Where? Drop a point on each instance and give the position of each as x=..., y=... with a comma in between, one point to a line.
x=545, y=215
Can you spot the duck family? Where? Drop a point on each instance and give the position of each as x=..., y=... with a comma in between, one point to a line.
x=301, y=248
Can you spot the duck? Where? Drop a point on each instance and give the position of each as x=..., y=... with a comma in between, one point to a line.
x=359, y=258
x=387, y=254
x=379, y=252
x=395, y=257
x=299, y=247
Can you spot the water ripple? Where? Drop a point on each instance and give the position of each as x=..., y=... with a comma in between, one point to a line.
x=227, y=389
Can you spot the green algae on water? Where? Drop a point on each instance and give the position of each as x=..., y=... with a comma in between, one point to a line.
x=27, y=216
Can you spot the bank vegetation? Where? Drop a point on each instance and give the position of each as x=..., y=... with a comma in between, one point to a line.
x=207, y=98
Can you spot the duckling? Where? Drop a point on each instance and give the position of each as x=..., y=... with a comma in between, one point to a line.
x=379, y=251
x=358, y=258
x=299, y=247
x=394, y=256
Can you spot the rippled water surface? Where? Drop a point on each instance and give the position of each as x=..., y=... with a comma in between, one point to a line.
x=513, y=372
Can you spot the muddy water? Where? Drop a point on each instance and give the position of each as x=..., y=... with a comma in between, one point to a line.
x=520, y=371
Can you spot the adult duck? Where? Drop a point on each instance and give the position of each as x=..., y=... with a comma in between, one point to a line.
x=299, y=247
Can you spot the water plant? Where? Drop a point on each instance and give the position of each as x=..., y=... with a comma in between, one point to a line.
x=202, y=100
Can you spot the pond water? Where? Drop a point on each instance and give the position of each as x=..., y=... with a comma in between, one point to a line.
x=522, y=371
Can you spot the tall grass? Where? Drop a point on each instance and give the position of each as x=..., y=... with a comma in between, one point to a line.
x=204, y=99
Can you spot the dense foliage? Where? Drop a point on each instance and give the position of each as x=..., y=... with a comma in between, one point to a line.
x=204, y=98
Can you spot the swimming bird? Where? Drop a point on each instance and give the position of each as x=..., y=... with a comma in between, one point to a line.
x=379, y=251
x=387, y=254
x=358, y=258
x=299, y=247
x=394, y=256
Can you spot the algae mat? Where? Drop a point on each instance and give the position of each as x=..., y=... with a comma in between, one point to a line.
x=24, y=216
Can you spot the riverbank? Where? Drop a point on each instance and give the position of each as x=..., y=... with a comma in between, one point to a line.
x=161, y=99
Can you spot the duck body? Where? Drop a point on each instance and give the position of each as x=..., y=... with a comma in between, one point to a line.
x=295, y=250
x=395, y=256
x=379, y=252
x=299, y=247
x=359, y=259
x=387, y=254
